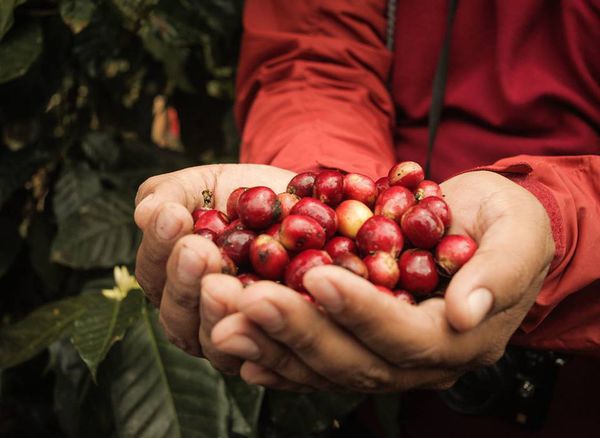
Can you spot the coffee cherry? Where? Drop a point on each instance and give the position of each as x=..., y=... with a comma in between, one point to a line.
x=407, y=174
x=382, y=184
x=360, y=188
x=352, y=263
x=212, y=220
x=298, y=233
x=383, y=269
x=227, y=265
x=273, y=230
x=351, y=215
x=422, y=227
x=393, y=202
x=199, y=212
x=417, y=272
x=329, y=187
x=207, y=234
x=379, y=233
x=236, y=244
x=268, y=257
x=302, y=185
x=405, y=296
x=439, y=207
x=320, y=212
x=340, y=245
x=232, y=202
x=287, y=202
x=427, y=188
x=300, y=264
x=258, y=208
x=453, y=252
x=248, y=278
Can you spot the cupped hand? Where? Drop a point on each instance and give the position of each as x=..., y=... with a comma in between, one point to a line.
x=171, y=261
x=369, y=341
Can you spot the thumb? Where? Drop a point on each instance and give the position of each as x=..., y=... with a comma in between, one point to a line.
x=508, y=268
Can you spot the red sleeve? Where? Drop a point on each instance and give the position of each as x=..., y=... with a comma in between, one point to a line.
x=566, y=314
x=311, y=87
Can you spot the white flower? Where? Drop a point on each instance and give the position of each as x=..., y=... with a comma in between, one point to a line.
x=125, y=282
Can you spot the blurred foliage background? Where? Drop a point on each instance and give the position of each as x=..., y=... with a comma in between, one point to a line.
x=96, y=96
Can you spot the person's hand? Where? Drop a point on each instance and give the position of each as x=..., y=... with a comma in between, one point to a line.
x=171, y=261
x=369, y=341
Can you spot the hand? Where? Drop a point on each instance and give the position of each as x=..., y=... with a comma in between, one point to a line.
x=171, y=261
x=368, y=341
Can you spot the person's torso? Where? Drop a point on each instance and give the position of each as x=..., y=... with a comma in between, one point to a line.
x=523, y=78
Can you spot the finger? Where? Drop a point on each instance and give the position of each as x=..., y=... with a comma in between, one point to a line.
x=392, y=328
x=255, y=374
x=219, y=293
x=330, y=351
x=192, y=257
x=511, y=261
x=169, y=222
x=405, y=335
x=238, y=336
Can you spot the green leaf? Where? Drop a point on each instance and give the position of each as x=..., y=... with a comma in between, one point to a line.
x=77, y=185
x=106, y=322
x=6, y=15
x=23, y=340
x=100, y=148
x=245, y=402
x=77, y=14
x=19, y=50
x=295, y=415
x=160, y=391
x=99, y=235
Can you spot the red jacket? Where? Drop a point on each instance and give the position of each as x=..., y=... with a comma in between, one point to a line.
x=522, y=96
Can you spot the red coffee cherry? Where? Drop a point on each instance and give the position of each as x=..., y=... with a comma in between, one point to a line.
x=427, y=188
x=268, y=257
x=439, y=207
x=259, y=208
x=232, y=202
x=453, y=252
x=212, y=220
x=340, y=245
x=352, y=263
x=417, y=272
x=393, y=202
x=302, y=185
x=423, y=228
x=407, y=174
x=298, y=233
x=236, y=244
x=360, y=188
x=379, y=233
x=329, y=187
x=383, y=269
x=300, y=264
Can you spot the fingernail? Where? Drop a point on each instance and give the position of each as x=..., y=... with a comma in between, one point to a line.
x=328, y=296
x=480, y=303
x=241, y=346
x=167, y=225
x=266, y=314
x=190, y=266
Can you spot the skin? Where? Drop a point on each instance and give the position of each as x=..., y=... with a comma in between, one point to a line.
x=272, y=336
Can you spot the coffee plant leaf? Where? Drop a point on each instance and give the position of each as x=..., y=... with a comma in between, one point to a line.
x=24, y=339
x=158, y=390
x=77, y=184
x=104, y=325
x=300, y=415
x=77, y=14
x=7, y=8
x=99, y=235
x=19, y=49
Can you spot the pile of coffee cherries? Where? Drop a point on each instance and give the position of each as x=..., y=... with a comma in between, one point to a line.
x=391, y=231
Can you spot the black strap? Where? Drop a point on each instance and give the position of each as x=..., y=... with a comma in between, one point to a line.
x=439, y=87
